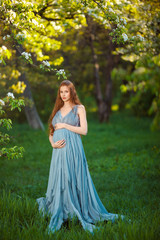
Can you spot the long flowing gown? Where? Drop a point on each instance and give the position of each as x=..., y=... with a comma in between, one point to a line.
x=70, y=190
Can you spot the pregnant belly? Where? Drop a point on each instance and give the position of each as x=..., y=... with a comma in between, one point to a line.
x=60, y=134
x=66, y=134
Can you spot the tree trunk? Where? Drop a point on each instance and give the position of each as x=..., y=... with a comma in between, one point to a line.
x=30, y=111
x=108, y=88
x=103, y=103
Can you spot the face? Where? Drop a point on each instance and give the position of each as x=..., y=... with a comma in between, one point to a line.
x=65, y=93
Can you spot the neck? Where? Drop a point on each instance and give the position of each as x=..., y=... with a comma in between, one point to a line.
x=68, y=104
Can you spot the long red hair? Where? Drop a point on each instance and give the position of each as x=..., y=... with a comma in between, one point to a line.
x=59, y=102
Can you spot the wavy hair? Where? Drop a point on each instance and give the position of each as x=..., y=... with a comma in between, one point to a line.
x=59, y=102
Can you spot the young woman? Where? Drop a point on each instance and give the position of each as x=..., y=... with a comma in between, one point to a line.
x=70, y=190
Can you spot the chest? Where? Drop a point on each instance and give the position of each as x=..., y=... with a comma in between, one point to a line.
x=71, y=118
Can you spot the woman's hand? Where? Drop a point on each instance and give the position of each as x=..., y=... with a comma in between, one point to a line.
x=59, y=144
x=59, y=126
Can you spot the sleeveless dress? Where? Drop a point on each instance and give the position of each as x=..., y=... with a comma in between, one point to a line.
x=70, y=190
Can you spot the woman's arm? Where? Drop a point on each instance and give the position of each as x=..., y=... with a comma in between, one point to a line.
x=83, y=129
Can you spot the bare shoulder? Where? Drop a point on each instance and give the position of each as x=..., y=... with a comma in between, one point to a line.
x=81, y=107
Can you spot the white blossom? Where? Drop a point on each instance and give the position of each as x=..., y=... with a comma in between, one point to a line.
x=20, y=35
x=35, y=22
x=29, y=3
x=127, y=1
x=120, y=26
x=14, y=2
x=140, y=37
x=4, y=48
x=9, y=94
x=26, y=55
x=124, y=20
x=110, y=9
x=2, y=102
x=40, y=54
x=16, y=24
x=125, y=37
x=118, y=1
x=133, y=37
x=117, y=19
x=46, y=63
x=5, y=37
x=57, y=27
x=95, y=15
x=41, y=26
x=12, y=14
x=61, y=71
x=90, y=11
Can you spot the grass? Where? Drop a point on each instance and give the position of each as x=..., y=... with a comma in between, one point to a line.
x=124, y=161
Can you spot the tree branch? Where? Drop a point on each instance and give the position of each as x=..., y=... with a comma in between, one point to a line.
x=42, y=11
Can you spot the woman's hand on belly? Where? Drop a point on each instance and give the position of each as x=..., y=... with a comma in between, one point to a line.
x=59, y=144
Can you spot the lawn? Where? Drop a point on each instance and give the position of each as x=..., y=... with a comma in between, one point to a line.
x=124, y=161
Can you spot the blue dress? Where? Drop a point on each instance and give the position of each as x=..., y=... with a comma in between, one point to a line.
x=70, y=190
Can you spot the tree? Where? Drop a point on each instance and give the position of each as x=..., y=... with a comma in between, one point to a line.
x=144, y=52
x=12, y=103
x=36, y=26
x=26, y=33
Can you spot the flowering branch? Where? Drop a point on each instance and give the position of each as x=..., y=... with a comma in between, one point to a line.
x=13, y=152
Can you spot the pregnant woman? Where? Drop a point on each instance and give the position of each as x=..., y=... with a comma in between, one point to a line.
x=70, y=190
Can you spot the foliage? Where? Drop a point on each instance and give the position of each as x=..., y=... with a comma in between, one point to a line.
x=145, y=55
x=33, y=28
x=32, y=31
x=12, y=103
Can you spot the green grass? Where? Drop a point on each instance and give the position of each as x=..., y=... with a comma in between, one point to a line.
x=124, y=161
